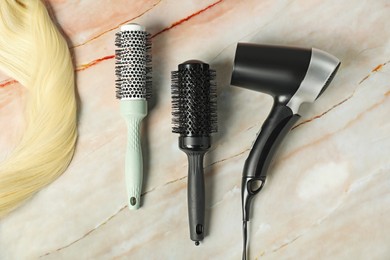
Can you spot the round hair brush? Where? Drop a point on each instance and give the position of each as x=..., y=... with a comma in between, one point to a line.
x=194, y=118
x=133, y=89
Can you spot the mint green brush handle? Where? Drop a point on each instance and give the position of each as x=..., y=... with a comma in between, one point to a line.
x=133, y=111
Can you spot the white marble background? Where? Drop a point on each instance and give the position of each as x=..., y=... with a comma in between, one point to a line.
x=328, y=191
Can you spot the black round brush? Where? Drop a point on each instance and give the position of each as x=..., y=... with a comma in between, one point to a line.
x=194, y=111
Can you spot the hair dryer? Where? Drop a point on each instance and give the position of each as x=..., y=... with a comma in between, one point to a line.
x=292, y=76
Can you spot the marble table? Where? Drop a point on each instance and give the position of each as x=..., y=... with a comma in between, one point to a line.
x=328, y=191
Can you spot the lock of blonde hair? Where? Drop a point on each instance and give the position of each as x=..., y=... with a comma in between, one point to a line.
x=33, y=52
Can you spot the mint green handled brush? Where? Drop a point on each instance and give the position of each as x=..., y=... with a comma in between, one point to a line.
x=133, y=89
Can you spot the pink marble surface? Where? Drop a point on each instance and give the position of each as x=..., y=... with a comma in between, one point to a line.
x=328, y=192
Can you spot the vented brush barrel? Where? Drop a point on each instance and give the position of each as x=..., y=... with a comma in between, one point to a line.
x=194, y=99
x=194, y=118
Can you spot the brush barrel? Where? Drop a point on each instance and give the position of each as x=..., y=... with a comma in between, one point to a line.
x=195, y=148
x=133, y=111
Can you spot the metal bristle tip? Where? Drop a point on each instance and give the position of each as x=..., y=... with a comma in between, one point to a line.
x=133, y=63
x=194, y=99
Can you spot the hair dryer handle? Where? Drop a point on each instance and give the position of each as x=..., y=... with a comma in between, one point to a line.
x=274, y=129
x=276, y=126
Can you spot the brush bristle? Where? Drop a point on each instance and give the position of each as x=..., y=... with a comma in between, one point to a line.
x=133, y=65
x=194, y=100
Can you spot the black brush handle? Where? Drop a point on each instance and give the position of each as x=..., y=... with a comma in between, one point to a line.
x=196, y=195
x=276, y=126
x=195, y=148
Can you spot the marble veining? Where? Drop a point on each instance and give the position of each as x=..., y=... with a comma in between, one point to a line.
x=327, y=195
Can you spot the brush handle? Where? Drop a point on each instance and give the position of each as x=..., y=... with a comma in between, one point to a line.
x=196, y=195
x=133, y=111
x=195, y=148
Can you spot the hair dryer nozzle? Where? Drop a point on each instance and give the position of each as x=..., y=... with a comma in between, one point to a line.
x=320, y=73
